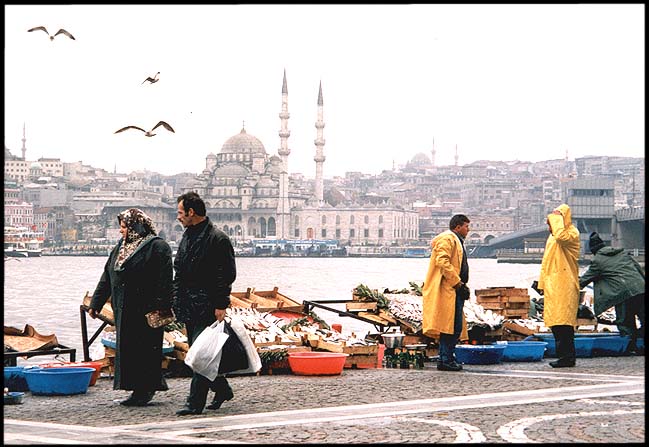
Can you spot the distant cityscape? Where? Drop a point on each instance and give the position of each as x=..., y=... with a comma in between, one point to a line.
x=71, y=206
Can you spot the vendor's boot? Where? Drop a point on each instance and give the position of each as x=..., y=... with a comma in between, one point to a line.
x=564, y=338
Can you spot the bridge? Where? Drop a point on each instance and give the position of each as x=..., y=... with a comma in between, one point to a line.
x=628, y=232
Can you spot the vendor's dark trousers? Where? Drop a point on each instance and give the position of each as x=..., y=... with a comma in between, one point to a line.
x=625, y=319
x=201, y=385
x=564, y=338
x=447, y=342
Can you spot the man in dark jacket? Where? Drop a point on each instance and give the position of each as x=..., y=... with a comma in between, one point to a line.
x=618, y=281
x=204, y=272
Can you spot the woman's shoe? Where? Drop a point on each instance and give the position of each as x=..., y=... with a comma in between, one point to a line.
x=562, y=363
x=219, y=399
x=138, y=399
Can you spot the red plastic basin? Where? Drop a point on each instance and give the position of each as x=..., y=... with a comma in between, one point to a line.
x=316, y=363
x=96, y=365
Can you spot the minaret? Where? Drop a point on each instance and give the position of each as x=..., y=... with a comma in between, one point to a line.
x=24, y=148
x=432, y=158
x=456, y=157
x=319, y=157
x=283, y=204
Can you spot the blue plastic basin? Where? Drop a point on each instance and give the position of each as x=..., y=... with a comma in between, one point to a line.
x=524, y=351
x=612, y=345
x=15, y=378
x=583, y=345
x=59, y=381
x=479, y=354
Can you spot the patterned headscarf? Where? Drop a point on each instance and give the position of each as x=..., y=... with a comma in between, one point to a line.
x=140, y=228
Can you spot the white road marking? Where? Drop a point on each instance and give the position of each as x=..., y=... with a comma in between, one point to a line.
x=515, y=431
x=465, y=433
x=366, y=411
x=8, y=437
x=612, y=402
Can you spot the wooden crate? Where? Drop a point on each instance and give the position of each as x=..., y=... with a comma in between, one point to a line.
x=358, y=306
x=264, y=300
x=500, y=291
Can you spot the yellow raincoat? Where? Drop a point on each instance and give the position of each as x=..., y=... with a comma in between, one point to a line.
x=559, y=277
x=438, y=293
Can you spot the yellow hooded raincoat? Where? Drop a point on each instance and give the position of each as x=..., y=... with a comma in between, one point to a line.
x=438, y=293
x=559, y=277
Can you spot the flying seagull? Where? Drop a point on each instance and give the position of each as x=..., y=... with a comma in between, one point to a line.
x=148, y=133
x=61, y=31
x=152, y=80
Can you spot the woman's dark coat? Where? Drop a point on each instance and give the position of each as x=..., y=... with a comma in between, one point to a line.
x=141, y=285
x=204, y=273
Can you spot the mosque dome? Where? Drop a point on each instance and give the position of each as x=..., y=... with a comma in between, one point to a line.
x=231, y=170
x=274, y=166
x=420, y=159
x=243, y=143
x=35, y=165
x=211, y=156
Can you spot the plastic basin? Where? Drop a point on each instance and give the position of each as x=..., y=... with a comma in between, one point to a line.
x=59, y=381
x=14, y=378
x=613, y=345
x=95, y=365
x=14, y=398
x=583, y=345
x=316, y=363
x=524, y=351
x=479, y=354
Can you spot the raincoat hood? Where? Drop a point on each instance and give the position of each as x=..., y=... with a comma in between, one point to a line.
x=566, y=213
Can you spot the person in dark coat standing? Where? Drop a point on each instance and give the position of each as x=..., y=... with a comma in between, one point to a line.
x=204, y=272
x=138, y=278
x=618, y=281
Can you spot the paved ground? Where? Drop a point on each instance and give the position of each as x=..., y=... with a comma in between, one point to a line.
x=599, y=401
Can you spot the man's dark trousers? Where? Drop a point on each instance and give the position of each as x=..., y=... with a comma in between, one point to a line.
x=201, y=385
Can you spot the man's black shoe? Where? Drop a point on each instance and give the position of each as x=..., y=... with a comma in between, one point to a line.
x=562, y=363
x=184, y=411
x=453, y=366
x=219, y=399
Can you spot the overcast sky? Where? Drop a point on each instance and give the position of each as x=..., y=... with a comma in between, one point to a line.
x=502, y=82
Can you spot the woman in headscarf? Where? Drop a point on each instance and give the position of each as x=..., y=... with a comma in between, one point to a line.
x=559, y=281
x=138, y=277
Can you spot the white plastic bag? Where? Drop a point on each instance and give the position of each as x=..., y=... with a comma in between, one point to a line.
x=204, y=355
x=254, y=361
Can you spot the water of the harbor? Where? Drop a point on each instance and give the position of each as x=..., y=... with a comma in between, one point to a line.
x=46, y=292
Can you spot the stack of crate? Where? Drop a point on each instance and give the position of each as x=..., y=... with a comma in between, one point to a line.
x=510, y=302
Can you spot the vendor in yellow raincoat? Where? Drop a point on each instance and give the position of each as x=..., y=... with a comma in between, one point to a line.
x=559, y=281
x=445, y=290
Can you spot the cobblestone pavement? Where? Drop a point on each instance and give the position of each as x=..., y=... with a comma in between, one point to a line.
x=599, y=401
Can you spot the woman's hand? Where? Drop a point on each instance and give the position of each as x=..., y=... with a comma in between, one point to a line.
x=219, y=314
x=93, y=313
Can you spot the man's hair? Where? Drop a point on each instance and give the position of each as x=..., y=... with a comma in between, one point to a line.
x=192, y=200
x=456, y=220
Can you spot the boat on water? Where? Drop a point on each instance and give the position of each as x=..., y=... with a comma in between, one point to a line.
x=21, y=242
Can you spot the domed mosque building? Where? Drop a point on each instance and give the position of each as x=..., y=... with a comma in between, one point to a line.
x=249, y=196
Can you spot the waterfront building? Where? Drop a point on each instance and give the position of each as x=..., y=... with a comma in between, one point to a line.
x=19, y=214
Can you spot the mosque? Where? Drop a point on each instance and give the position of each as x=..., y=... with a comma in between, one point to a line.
x=249, y=195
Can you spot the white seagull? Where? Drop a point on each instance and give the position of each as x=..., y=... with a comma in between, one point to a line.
x=152, y=80
x=148, y=133
x=61, y=31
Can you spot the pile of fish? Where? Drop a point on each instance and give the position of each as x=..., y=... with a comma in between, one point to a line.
x=478, y=315
x=409, y=308
x=406, y=307
x=264, y=327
